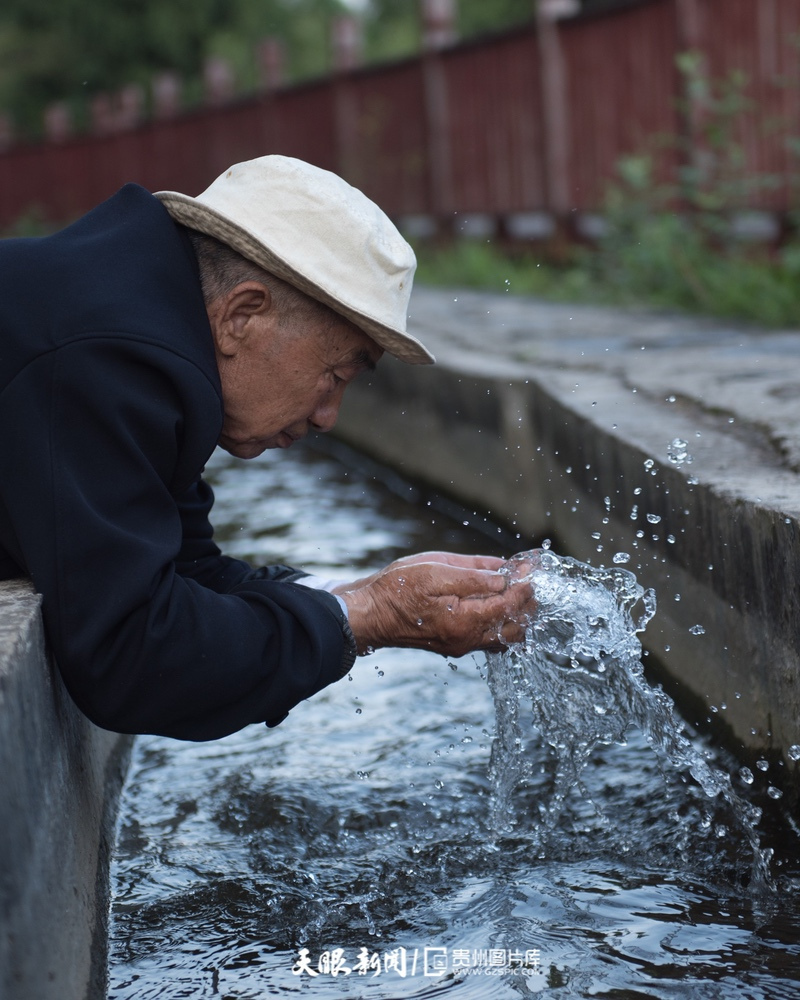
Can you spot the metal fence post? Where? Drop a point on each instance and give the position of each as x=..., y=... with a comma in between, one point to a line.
x=57, y=122
x=347, y=44
x=555, y=106
x=438, y=31
x=166, y=95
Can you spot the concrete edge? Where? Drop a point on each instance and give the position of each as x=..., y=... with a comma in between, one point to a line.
x=61, y=781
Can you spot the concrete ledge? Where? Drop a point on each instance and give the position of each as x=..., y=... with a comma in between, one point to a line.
x=562, y=429
x=61, y=778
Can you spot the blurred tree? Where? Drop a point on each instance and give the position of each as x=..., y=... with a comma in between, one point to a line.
x=70, y=49
x=477, y=17
x=392, y=27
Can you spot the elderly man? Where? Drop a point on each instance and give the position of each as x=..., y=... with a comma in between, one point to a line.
x=135, y=341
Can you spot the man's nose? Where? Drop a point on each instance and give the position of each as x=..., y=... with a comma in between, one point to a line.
x=324, y=416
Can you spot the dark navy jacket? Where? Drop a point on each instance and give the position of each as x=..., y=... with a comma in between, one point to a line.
x=110, y=406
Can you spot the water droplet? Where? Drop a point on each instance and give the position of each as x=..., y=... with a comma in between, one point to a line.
x=677, y=597
x=774, y=793
x=697, y=630
x=671, y=539
x=649, y=463
x=762, y=765
x=746, y=775
x=453, y=666
x=439, y=783
x=653, y=518
x=419, y=621
x=621, y=557
x=358, y=711
x=794, y=752
x=678, y=452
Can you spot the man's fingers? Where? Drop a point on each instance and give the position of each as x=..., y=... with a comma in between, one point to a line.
x=474, y=583
x=451, y=609
x=453, y=559
x=478, y=562
x=512, y=632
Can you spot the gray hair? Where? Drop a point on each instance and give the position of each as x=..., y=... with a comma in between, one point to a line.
x=222, y=269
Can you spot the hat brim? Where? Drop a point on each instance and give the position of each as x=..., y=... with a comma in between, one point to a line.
x=197, y=215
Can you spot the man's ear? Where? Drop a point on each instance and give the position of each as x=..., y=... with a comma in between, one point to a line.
x=231, y=315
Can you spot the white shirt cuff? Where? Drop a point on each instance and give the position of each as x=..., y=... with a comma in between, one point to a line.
x=320, y=583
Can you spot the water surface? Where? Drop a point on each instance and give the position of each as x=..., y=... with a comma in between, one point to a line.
x=357, y=835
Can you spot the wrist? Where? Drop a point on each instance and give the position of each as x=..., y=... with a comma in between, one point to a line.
x=361, y=620
x=350, y=650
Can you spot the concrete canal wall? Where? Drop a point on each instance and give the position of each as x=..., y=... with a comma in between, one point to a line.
x=60, y=780
x=560, y=421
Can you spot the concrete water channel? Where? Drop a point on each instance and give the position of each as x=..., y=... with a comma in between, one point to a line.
x=674, y=441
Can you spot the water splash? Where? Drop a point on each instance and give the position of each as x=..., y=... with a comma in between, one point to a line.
x=580, y=669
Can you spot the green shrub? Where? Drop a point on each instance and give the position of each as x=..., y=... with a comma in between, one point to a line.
x=668, y=244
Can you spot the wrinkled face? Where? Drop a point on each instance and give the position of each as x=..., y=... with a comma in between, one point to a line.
x=279, y=381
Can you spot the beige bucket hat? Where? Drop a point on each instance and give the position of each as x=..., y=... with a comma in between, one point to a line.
x=313, y=229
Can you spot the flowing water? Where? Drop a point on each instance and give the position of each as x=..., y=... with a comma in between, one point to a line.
x=580, y=668
x=540, y=822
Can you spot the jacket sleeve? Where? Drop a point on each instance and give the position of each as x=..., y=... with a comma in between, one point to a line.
x=100, y=434
x=200, y=558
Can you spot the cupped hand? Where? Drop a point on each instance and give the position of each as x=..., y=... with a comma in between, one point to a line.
x=447, y=558
x=449, y=603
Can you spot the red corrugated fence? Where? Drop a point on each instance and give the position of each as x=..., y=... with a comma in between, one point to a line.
x=535, y=119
